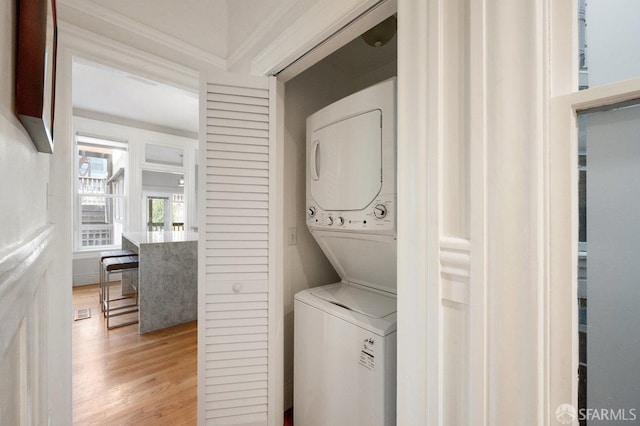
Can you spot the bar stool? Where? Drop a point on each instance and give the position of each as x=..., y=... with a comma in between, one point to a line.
x=106, y=255
x=118, y=264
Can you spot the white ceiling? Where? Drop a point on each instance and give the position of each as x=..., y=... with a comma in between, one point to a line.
x=114, y=94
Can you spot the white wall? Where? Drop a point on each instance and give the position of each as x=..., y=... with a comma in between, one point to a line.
x=35, y=360
x=85, y=264
x=305, y=264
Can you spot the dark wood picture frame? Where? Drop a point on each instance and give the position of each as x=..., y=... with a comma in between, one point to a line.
x=36, y=70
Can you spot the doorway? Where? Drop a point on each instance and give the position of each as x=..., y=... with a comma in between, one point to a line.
x=109, y=103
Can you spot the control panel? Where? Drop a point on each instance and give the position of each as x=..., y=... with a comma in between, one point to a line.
x=379, y=216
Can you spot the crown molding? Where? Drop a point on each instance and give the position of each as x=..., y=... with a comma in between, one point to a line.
x=143, y=31
x=103, y=50
x=260, y=32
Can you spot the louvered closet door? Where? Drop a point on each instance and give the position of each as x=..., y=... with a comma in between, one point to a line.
x=237, y=339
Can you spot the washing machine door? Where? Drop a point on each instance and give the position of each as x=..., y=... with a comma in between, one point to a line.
x=344, y=165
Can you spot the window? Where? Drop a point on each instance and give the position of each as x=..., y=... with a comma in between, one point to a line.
x=165, y=213
x=593, y=160
x=606, y=190
x=177, y=212
x=609, y=155
x=164, y=200
x=608, y=41
x=101, y=196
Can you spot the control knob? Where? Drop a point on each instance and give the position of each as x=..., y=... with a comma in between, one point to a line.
x=311, y=211
x=340, y=220
x=380, y=211
x=329, y=221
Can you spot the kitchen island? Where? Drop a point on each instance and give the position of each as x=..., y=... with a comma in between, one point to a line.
x=167, y=277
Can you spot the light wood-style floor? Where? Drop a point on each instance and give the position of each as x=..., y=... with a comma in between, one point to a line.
x=123, y=378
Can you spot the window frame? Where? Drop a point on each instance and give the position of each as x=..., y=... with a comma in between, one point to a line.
x=119, y=199
x=566, y=100
x=169, y=201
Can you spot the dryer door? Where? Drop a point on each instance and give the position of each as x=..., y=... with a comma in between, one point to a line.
x=344, y=165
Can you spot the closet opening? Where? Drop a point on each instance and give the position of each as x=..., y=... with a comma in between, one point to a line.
x=356, y=58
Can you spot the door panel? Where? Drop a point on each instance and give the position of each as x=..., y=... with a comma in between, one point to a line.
x=237, y=384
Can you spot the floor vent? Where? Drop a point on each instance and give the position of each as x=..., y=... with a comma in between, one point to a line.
x=83, y=313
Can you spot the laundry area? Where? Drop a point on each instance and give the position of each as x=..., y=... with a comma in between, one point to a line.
x=340, y=225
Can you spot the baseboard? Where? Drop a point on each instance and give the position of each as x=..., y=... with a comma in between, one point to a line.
x=90, y=278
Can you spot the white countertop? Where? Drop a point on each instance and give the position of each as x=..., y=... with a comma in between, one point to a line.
x=160, y=237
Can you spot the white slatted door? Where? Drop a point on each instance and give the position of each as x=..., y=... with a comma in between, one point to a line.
x=238, y=347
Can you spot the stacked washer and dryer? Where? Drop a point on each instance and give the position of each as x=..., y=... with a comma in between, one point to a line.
x=345, y=333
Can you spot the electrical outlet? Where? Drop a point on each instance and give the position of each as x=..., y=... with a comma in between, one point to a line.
x=292, y=236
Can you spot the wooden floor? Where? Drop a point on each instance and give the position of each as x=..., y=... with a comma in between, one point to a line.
x=288, y=417
x=123, y=378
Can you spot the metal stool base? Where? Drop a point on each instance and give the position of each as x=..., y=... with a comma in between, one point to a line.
x=117, y=264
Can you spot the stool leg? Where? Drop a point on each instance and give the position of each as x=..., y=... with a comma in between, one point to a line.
x=107, y=299
x=100, y=287
x=106, y=295
x=119, y=310
x=103, y=290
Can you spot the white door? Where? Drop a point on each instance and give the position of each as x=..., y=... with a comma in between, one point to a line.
x=239, y=324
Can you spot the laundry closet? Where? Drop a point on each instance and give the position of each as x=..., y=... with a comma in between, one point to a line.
x=356, y=66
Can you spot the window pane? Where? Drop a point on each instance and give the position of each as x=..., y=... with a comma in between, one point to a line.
x=609, y=41
x=156, y=213
x=609, y=260
x=100, y=184
x=177, y=212
x=98, y=224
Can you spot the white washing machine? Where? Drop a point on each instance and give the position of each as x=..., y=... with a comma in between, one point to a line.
x=345, y=333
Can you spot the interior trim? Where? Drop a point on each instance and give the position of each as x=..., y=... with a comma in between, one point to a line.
x=455, y=257
x=14, y=292
x=144, y=31
x=128, y=122
x=100, y=50
x=260, y=32
x=21, y=257
x=455, y=269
